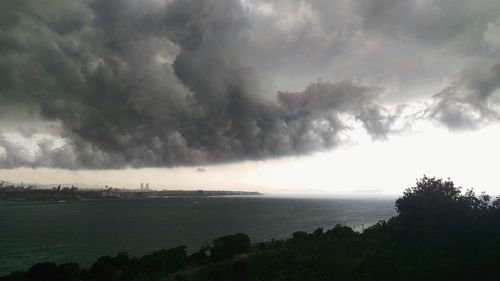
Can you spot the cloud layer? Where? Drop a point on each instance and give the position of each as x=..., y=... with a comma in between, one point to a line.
x=188, y=82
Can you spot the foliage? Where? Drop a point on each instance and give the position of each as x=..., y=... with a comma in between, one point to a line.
x=229, y=245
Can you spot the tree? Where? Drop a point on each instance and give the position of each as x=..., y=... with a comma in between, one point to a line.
x=229, y=245
x=165, y=261
x=109, y=268
x=45, y=271
x=430, y=196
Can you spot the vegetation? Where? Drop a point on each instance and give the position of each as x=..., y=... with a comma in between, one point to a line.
x=440, y=233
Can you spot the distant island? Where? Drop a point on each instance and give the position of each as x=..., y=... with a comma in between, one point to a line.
x=72, y=193
x=438, y=234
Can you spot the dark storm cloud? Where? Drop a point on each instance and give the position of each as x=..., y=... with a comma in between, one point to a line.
x=466, y=30
x=190, y=82
x=457, y=22
x=470, y=101
x=158, y=83
x=324, y=101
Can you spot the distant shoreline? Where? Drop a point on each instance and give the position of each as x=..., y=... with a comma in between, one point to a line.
x=50, y=202
x=16, y=194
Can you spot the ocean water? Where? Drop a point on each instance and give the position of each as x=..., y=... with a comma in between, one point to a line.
x=84, y=231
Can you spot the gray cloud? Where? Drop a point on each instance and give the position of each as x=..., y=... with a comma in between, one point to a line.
x=166, y=83
x=42, y=152
x=158, y=84
x=491, y=36
x=472, y=100
x=449, y=22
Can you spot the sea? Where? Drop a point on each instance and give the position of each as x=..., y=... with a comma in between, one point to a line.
x=86, y=230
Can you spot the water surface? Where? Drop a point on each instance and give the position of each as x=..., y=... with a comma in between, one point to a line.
x=84, y=231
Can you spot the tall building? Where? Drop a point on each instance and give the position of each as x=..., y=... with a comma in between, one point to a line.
x=147, y=186
x=142, y=185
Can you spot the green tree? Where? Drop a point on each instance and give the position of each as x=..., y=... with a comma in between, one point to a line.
x=429, y=195
x=229, y=245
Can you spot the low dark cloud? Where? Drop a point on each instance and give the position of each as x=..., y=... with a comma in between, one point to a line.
x=470, y=101
x=159, y=84
x=130, y=83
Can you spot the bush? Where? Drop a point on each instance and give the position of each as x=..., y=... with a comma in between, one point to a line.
x=229, y=245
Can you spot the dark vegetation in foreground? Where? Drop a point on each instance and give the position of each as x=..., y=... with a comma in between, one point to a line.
x=439, y=233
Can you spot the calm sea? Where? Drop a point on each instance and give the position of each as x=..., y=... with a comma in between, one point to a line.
x=84, y=231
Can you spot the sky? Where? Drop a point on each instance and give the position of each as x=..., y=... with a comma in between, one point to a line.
x=284, y=96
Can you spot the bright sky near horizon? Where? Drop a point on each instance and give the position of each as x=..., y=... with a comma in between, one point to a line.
x=284, y=96
x=365, y=169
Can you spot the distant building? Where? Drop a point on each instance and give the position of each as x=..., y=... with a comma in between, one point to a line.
x=144, y=186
